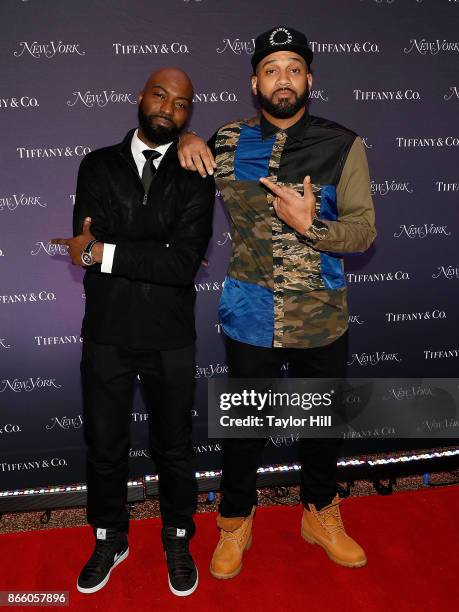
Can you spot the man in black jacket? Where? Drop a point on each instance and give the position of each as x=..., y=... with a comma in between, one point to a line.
x=142, y=225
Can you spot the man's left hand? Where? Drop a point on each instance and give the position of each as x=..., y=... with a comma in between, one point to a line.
x=296, y=211
x=77, y=244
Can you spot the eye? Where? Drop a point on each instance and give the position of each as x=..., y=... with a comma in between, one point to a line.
x=181, y=105
x=158, y=94
x=296, y=70
x=270, y=71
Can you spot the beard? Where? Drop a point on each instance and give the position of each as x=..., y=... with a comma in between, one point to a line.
x=158, y=134
x=284, y=109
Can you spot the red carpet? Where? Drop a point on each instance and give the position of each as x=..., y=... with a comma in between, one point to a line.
x=411, y=541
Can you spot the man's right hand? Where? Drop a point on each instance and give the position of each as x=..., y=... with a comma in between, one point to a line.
x=194, y=154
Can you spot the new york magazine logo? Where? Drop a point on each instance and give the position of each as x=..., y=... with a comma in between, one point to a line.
x=424, y=46
x=66, y=423
x=318, y=94
x=225, y=238
x=211, y=370
x=48, y=49
x=366, y=142
x=237, y=46
x=47, y=248
x=427, y=230
x=373, y=359
x=4, y=344
x=21, y=200
x=28, y=385
x=136, y=453
x=450, y=272
x=100, y=99
x=452, y=94
x=389, y=186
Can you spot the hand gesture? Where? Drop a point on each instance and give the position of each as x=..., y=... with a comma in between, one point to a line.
x=294, y=210
x=77, y=244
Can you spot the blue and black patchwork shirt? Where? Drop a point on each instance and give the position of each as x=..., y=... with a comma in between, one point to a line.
x=285, y=289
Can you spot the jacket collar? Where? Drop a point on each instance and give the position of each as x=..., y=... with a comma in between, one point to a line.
x=294, y=132
x=124, y=149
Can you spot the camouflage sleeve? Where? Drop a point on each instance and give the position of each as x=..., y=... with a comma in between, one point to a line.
x=354, y=231
x=211, y=142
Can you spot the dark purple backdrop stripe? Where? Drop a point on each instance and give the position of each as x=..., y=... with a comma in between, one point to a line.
x=70, y=74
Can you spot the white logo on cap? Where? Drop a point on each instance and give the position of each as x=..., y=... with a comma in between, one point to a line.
x=181, y=533
x=285, y=41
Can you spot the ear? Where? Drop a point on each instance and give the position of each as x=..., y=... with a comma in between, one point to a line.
x=140, y=97
x=310, y=79
x=254, y=82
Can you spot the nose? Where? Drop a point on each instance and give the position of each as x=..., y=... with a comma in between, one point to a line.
x=166, y=107
x=283, y=79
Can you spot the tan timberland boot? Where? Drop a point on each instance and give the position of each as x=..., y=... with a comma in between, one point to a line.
x=326, y=528
x=235, y=538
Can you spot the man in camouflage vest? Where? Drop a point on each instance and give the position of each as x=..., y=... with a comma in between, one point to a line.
x=284, y=298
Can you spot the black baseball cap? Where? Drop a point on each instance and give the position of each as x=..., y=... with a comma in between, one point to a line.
x=281, y=38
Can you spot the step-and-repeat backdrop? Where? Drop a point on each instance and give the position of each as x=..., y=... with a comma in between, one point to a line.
x=70, y=74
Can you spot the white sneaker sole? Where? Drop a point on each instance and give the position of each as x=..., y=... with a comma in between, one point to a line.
x=107, y=577
x=184, y=593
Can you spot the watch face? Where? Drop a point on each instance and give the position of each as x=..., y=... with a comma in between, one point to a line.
x=87, y=258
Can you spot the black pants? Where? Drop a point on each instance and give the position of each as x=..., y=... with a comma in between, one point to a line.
x=242, y=457
x=108, y=375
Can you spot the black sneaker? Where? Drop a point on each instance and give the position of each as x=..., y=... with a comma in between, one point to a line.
x=111, y=549
x=183, y=575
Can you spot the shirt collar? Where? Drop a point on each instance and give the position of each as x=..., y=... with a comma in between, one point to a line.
x=295, y=131
x=138, y=146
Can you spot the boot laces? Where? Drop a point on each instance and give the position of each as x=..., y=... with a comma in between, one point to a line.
x=330, y=518
x=237, y=535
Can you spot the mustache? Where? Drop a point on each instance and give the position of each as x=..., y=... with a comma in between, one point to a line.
x=150, y=117
x=284, y=89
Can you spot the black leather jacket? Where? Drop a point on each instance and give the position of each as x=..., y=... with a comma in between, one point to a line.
x=148, y=299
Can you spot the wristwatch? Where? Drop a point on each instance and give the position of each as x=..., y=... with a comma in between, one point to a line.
x=86, y=255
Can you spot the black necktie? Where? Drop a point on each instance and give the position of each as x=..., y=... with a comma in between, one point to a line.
x=149, y=168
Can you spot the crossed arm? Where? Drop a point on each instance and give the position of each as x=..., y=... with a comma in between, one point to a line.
x=146, y=260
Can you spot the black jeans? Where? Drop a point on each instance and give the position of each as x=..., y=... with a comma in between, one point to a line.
x=108, y=375
x=242, y=457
